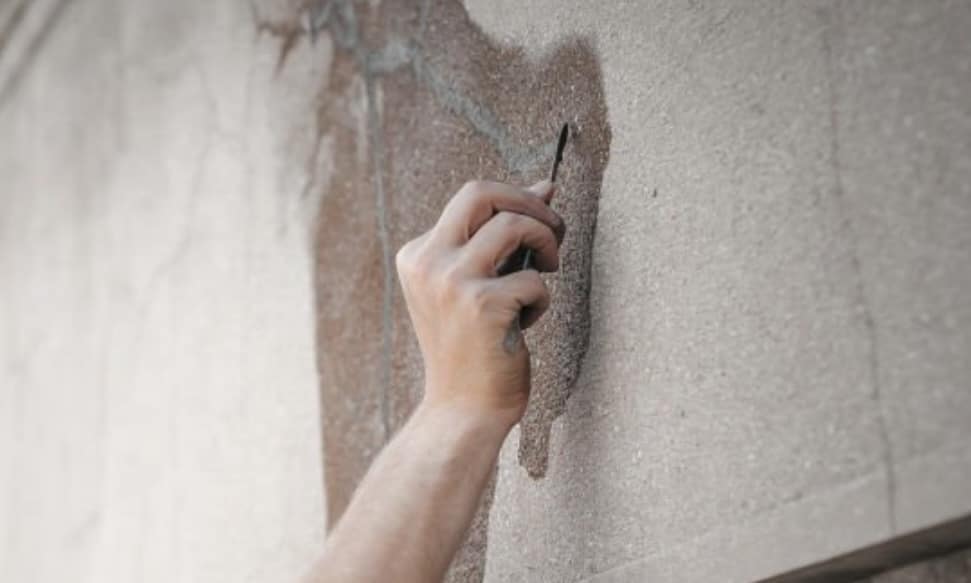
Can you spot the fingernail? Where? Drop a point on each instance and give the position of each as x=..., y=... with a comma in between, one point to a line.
x=542, y=188
x=545, y=189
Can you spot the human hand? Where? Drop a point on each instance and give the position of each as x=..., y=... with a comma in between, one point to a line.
x=466, y=316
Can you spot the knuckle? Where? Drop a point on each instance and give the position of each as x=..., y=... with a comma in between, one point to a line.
x=448, y=283
x=402, y=258
x=412, y=262
x=403, y=265
x=405, y=258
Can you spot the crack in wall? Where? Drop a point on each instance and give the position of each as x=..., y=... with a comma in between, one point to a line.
x=832, y=26
x=338, y=18
x=397, y=55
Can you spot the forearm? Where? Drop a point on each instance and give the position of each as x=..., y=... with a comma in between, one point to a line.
x=412, y=510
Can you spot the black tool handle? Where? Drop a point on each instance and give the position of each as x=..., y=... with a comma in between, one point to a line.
x=522, y=259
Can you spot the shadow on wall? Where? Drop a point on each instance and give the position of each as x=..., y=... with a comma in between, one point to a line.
x=417, y=101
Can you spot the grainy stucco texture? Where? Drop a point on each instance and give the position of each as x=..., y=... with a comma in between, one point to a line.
x=757, y=358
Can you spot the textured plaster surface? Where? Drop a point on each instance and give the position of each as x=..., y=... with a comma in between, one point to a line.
x=778, y=363
x=770, y=224
x=158, y=394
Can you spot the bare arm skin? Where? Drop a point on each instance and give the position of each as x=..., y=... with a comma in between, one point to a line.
x=410, y=514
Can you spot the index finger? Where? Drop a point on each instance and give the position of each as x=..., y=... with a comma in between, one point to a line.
x=478, y=201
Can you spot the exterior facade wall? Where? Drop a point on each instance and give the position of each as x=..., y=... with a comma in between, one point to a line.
x=757, y=359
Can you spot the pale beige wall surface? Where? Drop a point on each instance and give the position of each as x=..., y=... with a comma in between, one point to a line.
x=158, y=392
x=779, y=368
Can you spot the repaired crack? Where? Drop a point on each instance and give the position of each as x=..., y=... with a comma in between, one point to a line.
x=384, y=236
x=338, y=18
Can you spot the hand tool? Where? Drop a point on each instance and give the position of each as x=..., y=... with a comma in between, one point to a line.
x=522, y=258
x=564, y=134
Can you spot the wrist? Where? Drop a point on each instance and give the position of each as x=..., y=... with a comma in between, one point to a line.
x=466, y=417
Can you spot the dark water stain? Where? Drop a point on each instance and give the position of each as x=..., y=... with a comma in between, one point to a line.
x=417, y=101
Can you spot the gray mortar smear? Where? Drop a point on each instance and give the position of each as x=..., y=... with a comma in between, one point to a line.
x=443, y=104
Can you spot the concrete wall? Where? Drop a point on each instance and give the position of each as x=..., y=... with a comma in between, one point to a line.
x=778, y=368
x=759, y=355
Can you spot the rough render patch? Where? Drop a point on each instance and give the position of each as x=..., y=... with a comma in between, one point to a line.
x=419, y=100
x=559, y=341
